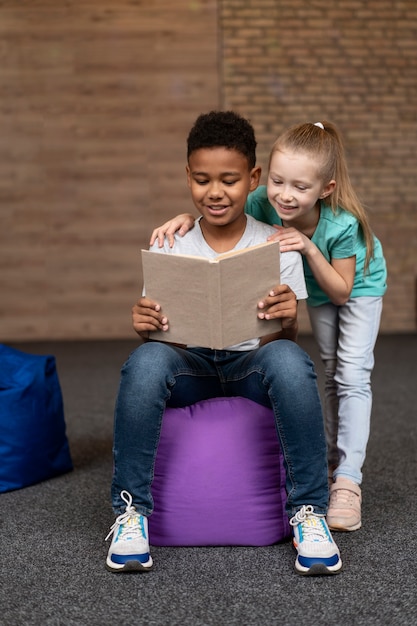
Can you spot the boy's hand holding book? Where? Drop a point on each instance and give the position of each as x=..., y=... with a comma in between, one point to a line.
x=281, y=303
x=147, y=317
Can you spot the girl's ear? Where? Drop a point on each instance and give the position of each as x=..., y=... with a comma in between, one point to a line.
x=187, y=169
x=327, y=189
x=255, y=177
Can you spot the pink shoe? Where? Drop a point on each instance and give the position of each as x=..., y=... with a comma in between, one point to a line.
x=344, y=511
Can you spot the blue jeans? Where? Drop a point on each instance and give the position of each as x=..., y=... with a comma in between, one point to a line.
x=278, y=375
x=346, y=337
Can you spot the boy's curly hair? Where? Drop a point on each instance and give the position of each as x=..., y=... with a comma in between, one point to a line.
x=223, y=129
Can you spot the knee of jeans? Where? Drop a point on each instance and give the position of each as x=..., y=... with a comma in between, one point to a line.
x=149, y=357
x=288, y=353
x=283, y=347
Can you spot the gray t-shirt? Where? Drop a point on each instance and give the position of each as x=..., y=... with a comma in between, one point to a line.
x=256, y=232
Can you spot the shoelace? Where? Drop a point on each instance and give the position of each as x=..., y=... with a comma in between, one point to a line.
x=129, y=520
x=313, y=529
x=344, y=497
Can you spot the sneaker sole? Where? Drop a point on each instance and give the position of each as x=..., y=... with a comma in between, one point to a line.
x=318, y=569
x=130, y=566
x=341, y=528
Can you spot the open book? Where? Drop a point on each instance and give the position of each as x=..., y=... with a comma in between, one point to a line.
x=212, y=303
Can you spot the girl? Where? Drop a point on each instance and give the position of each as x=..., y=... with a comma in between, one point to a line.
x=319, y=214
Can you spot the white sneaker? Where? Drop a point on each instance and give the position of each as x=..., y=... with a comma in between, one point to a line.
x=129, y=549
x=317, y=552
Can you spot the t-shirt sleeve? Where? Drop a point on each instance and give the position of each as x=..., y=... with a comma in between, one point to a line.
x=343, y=243
x=292, y=273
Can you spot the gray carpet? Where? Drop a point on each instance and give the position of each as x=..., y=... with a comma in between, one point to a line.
x=52, y=534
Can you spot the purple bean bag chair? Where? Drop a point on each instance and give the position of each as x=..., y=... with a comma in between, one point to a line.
x=219, y=477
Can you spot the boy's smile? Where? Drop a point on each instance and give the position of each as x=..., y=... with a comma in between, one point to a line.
x=220, y=180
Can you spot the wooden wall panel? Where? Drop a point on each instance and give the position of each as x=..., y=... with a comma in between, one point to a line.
x=96, y=100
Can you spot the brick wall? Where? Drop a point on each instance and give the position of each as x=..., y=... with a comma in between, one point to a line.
x=352, y=62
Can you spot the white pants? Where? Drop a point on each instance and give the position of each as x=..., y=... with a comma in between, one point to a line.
x=346, y=337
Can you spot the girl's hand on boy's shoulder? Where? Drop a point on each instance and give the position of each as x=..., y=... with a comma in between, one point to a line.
x=147, y=317
x=291, y=239
x=276, y=236
x=181, y=224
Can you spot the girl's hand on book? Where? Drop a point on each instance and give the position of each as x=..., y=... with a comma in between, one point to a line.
x=147, y=317
x=181, y=223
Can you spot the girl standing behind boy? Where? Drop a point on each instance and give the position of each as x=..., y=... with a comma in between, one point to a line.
x=320, y=215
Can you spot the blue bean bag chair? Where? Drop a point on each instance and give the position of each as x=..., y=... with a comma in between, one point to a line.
x=219, y=477
x=33, y=442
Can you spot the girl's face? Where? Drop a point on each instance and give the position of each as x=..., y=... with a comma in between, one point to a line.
x=294, y=187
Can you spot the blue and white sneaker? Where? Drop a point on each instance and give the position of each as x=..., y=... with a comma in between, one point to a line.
x=317, y=552
x=129, y=549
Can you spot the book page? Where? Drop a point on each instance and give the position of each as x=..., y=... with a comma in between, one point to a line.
x=245, y=280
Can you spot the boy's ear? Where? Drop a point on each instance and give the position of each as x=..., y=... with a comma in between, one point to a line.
x=327, y=189
x=255, y=177
x=187, y=169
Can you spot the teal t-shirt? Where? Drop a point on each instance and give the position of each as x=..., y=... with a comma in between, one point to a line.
x=337, y=236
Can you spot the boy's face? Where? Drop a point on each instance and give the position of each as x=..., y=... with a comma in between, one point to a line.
x=220, y=180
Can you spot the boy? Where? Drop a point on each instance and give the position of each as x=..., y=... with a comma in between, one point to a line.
x=273, y=371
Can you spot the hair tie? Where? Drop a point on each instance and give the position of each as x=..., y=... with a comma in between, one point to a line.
x=320, y=125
